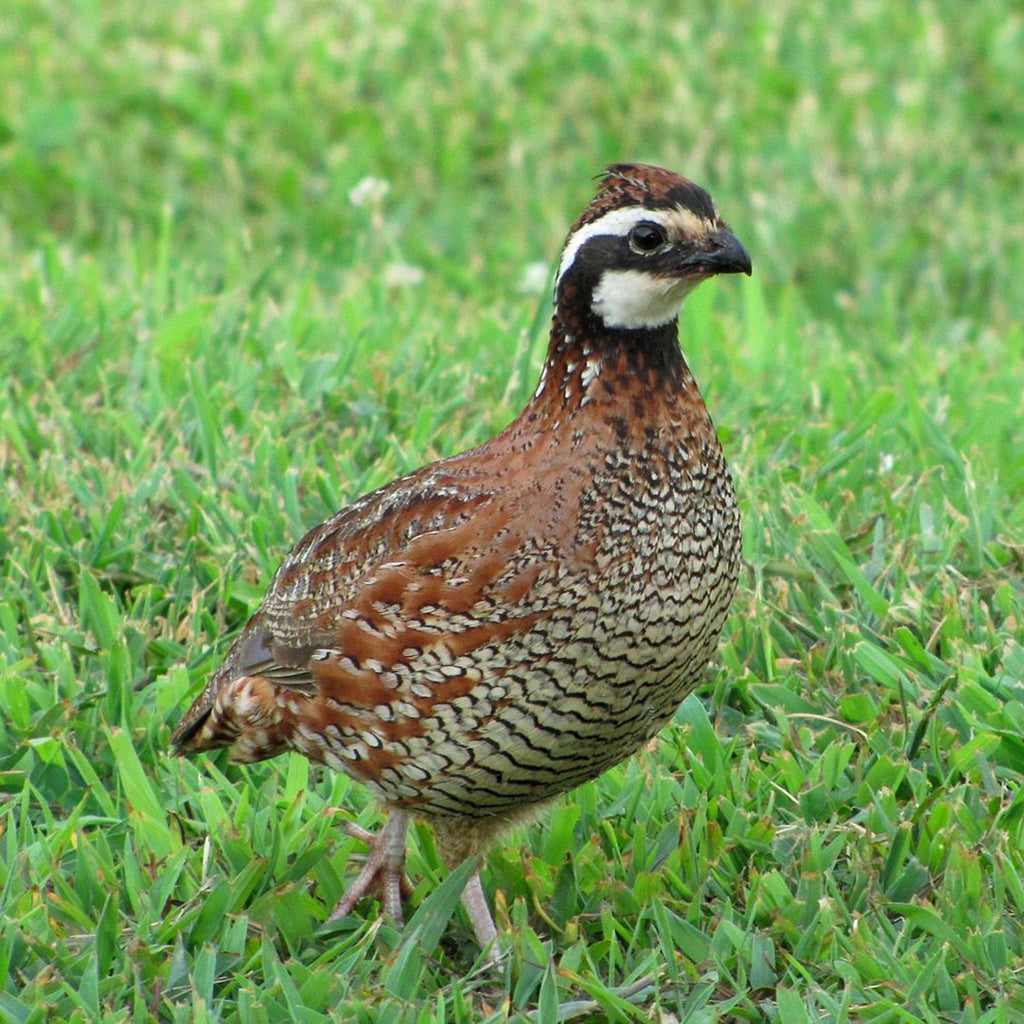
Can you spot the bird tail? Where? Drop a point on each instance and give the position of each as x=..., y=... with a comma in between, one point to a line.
x=201, y=727
x=193, y=733
x=237, y=708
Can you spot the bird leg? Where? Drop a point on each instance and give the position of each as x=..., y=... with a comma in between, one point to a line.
x=383, y=870
x=475, y=902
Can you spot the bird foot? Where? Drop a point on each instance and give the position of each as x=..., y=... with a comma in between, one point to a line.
x=383, y=871
x=384, y=874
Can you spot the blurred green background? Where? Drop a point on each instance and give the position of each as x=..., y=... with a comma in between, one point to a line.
x=257, y=258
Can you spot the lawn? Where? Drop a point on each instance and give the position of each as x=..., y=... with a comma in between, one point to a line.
x=258, y=257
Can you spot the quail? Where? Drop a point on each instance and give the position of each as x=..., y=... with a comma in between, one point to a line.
x=498, y=627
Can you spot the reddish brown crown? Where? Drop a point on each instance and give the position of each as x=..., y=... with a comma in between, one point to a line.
x=644, y=185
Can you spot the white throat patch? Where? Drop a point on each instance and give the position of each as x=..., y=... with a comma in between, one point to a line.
x=634, y=299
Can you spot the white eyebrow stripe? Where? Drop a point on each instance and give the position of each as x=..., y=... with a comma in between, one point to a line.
x=615, y=222
x=621, y=221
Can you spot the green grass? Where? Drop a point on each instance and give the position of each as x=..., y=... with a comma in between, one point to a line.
x=204, y=350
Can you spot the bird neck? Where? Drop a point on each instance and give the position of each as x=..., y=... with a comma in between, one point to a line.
x=589, y=364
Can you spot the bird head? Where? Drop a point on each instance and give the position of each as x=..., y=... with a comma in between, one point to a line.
x=647, y=239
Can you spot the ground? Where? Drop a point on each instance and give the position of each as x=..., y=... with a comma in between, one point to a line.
x=258, y=257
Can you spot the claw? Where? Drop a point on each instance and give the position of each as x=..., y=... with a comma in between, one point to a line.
x=383, y=871
x=355, y=831
x=384, y=874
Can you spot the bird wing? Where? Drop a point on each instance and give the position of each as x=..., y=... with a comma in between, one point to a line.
x=383, y=603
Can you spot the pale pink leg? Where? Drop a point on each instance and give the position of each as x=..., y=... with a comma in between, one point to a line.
x=475, y=902
x=383, y=870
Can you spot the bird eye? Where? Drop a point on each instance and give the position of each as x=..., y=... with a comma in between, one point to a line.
x=646, y=237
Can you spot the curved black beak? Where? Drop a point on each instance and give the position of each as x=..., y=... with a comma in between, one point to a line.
x=721, y=253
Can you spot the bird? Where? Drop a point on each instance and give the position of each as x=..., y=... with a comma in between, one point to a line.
x=498, y=627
